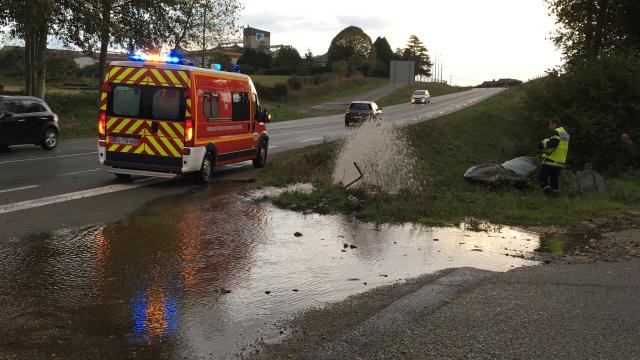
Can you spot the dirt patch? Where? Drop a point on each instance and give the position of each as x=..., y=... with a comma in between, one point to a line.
x=595, y=240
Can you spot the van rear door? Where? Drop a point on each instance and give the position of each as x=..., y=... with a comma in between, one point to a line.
x=145, y=119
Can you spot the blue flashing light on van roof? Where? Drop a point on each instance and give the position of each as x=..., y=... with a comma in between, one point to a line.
x=169, y=59
x=217, y=67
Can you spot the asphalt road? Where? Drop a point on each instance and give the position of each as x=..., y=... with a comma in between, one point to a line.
x=45, y=191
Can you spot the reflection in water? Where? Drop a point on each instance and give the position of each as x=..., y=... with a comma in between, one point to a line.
x=187, y=277
x=153, y=312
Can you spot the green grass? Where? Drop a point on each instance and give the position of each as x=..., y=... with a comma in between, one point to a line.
x=490, y=132
x=297, y=105
x=403, y=94
x=270, y=80
x=77, y=112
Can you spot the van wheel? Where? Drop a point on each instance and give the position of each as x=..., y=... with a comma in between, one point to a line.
x=50, y=139
x=123, y=177
x=203, y=176
x=261, y=158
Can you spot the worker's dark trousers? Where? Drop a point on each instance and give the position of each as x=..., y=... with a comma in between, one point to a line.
x=549, y=176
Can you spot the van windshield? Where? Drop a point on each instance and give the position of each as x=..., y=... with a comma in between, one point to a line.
x=147, y=102
x=420, y=92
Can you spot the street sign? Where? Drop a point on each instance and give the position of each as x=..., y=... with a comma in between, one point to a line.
x=260, y=36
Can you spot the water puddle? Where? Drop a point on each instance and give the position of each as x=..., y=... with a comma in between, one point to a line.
x=208, y=275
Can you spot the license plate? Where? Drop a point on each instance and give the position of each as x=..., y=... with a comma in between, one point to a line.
x=124, y=140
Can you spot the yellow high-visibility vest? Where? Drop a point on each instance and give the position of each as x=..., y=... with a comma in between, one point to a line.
x=558, y=157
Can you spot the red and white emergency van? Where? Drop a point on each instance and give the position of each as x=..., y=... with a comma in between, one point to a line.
x=159, y=117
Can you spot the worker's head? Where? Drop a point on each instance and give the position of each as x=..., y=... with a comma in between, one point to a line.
x=625, y=137
x=554, y=123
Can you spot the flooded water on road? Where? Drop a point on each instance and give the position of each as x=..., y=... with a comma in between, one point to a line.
x=209, y=274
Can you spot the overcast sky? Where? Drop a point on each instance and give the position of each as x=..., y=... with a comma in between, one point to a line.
x=477, y=40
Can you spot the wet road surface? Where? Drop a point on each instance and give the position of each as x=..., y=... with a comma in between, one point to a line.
x=44, y=191
x=208, y=274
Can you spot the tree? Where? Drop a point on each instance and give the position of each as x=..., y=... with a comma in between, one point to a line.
x=416, y=51
x=255, y=59
x=217, y=56
x=287, y=57
x=308, y=60
x=384, y=55
x=33, y=21
x=134, y=25
x=589, y=29
x=203, y=23
x=349, y=44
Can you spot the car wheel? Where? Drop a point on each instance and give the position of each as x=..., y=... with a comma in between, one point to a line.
x=203, y=176
x=123, y=177
x=261, y=158
x=50, y=139
x=4, y=148
x=347, y=123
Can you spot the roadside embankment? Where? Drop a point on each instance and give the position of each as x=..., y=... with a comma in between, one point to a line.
x=494, y=131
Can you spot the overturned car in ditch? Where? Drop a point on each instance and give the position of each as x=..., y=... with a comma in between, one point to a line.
x=514, y=172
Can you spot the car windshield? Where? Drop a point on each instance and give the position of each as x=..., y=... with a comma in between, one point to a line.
x=360, y=106
x=420, y=92
x=147, y=102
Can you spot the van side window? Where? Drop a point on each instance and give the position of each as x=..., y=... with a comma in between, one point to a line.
x=256, y=106
x=211, y=104
x=240, y=106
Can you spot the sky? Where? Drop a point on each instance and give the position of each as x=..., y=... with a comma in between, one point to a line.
x=475, y=40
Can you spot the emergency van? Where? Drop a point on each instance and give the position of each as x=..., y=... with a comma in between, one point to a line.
x=161, y=117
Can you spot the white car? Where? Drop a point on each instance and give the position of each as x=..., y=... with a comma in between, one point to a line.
x=421, y=97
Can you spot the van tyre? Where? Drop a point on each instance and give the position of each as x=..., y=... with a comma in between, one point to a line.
x=261, y=158
x=49, y=139
x=203, y=176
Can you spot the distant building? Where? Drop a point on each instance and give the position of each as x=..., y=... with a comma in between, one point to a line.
x=259, y=40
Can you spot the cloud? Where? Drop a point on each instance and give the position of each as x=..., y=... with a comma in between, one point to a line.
x=286, y=23
x=366, y=23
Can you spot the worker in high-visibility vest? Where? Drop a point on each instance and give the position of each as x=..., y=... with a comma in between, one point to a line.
x=554, y=156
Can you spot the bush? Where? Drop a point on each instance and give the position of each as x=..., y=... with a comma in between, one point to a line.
x=295, y=83
x=340, y=67
x=598, y=102
x=247, y=69
x=325, y=78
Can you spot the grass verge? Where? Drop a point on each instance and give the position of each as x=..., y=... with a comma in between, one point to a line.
x=490, y=132
x=403, y=94
x=297, y=105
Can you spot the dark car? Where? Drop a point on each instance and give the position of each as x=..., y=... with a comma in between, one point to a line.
x=361, y=111
x=27, y=120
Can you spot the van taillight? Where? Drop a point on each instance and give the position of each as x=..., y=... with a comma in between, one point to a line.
x=188, y=132
x=102, y=124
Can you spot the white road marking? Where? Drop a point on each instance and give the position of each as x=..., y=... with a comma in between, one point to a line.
x=47, y=157
x=79, y=172
x=19, y=188
x=401, y=122
x=273, y=146
x=308, y=140
x=30, y=204
x=441, y=112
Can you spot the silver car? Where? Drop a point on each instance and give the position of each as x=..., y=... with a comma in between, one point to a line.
x=421, y=97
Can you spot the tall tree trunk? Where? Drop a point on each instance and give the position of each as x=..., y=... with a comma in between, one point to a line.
x=105, y=37
x=28, y=56
x=40, y=45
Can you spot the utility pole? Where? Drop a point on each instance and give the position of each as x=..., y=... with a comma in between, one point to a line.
x=435, y=71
